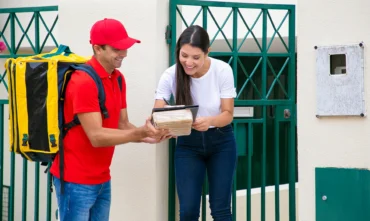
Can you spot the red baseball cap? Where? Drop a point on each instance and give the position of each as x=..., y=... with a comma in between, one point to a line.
x=111, y=32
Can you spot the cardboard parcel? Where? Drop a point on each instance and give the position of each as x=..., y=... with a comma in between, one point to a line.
x=178, y=119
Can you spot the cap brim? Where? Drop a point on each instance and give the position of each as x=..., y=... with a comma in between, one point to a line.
x=124, y=43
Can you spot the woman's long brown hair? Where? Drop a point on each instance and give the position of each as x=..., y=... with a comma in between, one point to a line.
x=197, y=37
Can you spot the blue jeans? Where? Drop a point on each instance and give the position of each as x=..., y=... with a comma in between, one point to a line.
x=83, y=202
x=213, y=151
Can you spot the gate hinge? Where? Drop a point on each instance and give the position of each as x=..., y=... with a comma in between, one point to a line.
x=168, y=34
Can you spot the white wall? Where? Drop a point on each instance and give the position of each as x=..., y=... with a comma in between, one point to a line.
x=139, y=171
x=336, y=141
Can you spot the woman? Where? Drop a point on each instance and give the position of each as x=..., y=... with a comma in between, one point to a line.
x=211, y=146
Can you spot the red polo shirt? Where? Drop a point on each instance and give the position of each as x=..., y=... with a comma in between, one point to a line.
x=83, y=163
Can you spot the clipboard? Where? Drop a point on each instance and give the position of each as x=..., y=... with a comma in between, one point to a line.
x=193, y=108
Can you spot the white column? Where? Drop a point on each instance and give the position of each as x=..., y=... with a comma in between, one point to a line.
x=139, y=171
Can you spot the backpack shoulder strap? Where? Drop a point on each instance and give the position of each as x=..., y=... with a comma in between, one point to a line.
x=119, y=79
x=101, y=94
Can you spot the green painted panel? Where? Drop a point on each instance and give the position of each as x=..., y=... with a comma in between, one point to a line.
x=342, y=194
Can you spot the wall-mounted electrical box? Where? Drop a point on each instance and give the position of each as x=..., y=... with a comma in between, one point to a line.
x=340, y=80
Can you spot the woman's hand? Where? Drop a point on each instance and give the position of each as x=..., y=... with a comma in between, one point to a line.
x=202, y=123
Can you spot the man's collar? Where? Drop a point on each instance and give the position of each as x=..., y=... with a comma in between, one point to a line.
x=100, y=69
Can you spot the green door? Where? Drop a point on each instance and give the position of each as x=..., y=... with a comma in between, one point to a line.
x=258, y=41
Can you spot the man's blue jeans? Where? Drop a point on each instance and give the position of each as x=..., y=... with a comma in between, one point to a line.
x=213, y=151
x=83, y=202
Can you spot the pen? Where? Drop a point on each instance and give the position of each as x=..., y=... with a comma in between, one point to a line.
x=166, y=101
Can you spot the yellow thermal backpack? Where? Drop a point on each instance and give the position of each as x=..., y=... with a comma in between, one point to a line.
x=36, y=97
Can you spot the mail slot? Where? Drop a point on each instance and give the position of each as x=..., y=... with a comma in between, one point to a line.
x=243, y=111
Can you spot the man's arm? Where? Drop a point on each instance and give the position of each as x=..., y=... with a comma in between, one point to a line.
x=102, y=137
x=124, y=123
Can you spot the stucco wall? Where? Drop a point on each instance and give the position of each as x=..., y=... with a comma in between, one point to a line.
x=335, y=141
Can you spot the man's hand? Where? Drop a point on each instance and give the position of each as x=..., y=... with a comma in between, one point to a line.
x=154, y=141
x=153, y=135
x=202, y=123
x=149, y=140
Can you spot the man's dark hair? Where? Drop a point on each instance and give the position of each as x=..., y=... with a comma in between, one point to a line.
x=102, y=46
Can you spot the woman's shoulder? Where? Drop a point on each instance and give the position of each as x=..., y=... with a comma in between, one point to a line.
x=170, y=71
x=168, y=75
x=220, y=66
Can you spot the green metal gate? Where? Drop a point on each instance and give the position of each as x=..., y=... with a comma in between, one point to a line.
x=25, y=188
x=264, y=64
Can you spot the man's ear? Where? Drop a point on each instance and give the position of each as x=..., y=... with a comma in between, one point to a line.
x=96, y=48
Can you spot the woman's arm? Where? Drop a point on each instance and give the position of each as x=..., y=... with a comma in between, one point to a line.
x=227, y=113
x=159, y=103
x=221, y=120
x=227, y=95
